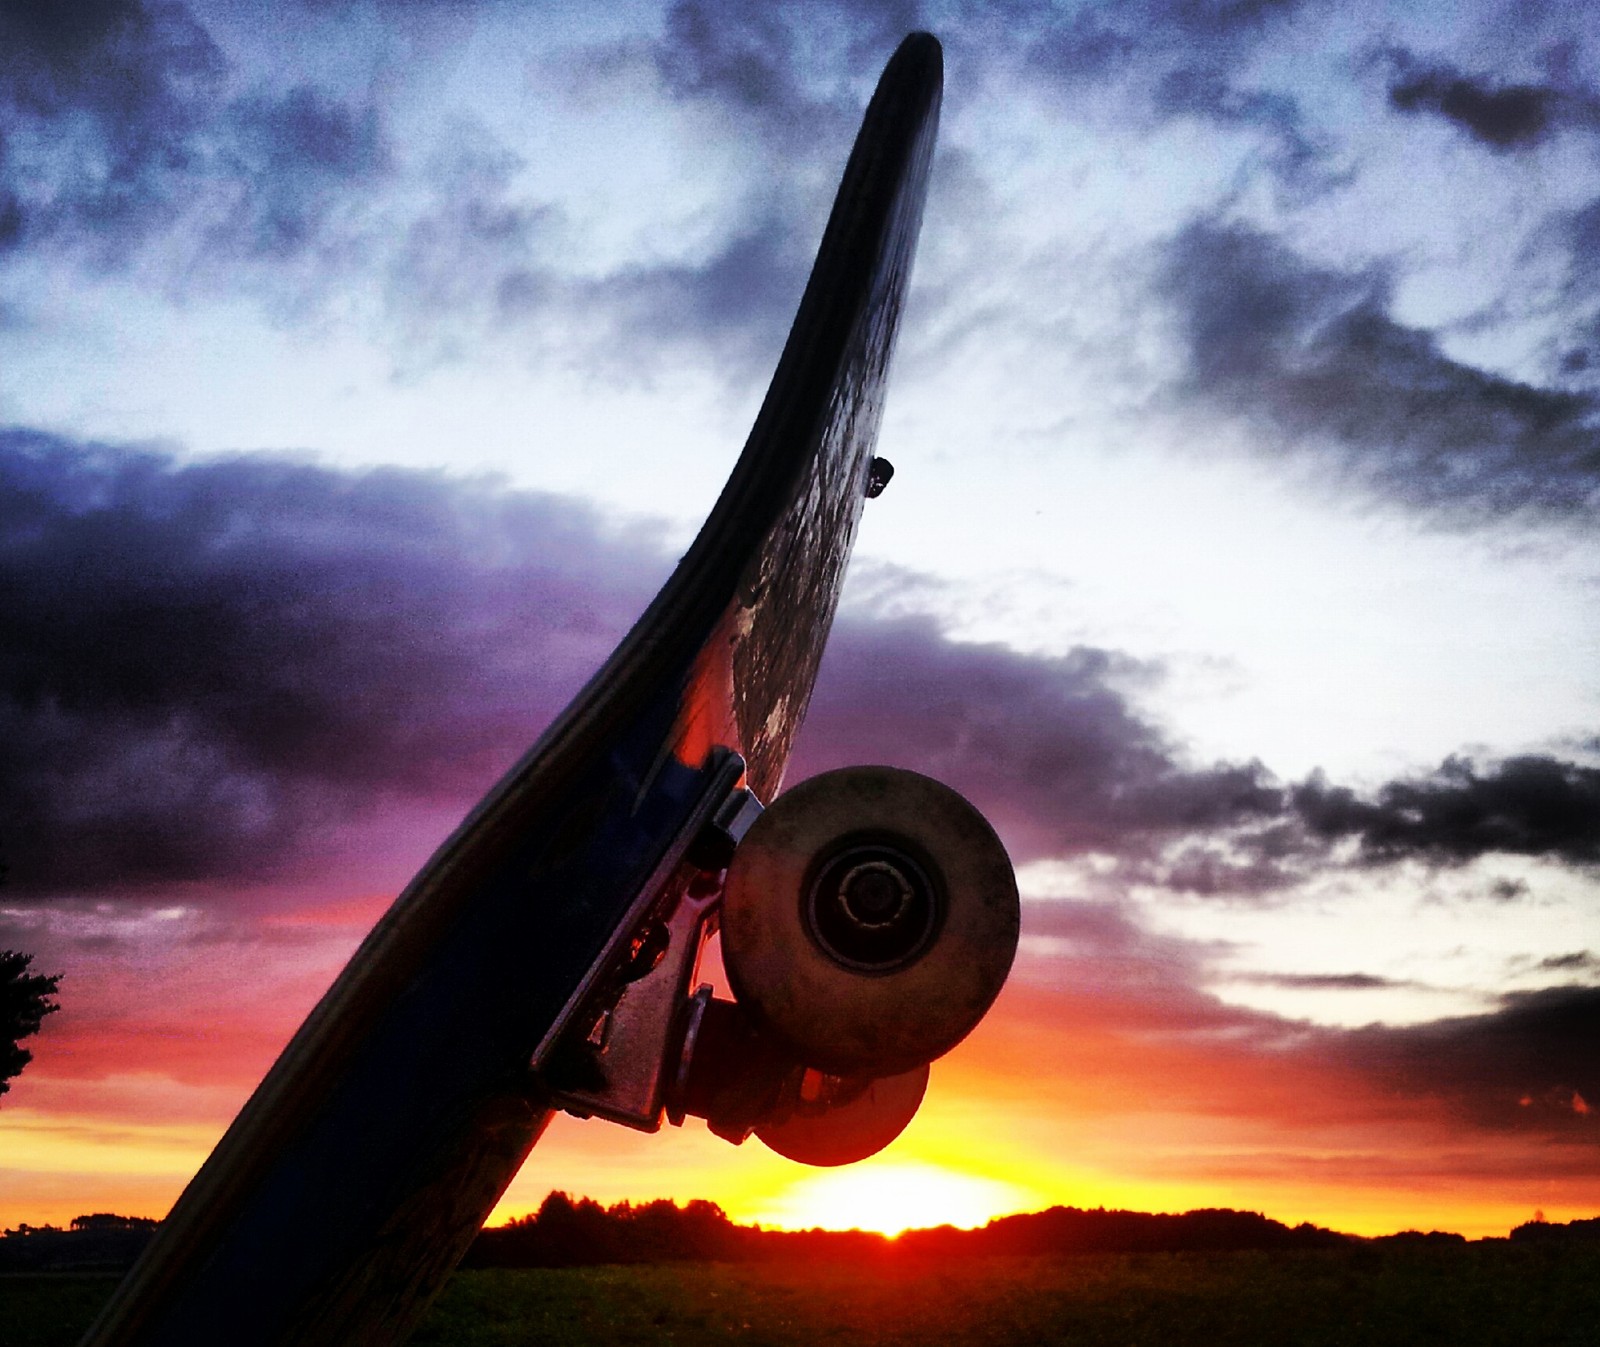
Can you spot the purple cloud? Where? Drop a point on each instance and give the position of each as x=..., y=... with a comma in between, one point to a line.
x=211, y=665
x=206, y=662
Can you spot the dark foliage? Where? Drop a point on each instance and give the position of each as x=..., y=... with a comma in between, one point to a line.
x=1555, y=1232
x=101, y=1242
x=565, y=1233
x=1073, y=1230
x=1433, y=1238
x=24, y=1002
x=105, y=1220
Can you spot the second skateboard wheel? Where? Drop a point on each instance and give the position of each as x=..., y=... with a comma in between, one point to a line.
x=842, y=1131
x=869, y=920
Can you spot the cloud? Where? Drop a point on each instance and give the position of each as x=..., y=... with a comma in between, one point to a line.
x=131, y=139
x=787, y=71
x=211, y=661
x=1504, y=117
x=210, y=665
x=1168, y=60
x=122, y=123
x=1297, y=153
x=213, y=669
x=213, y=664
x=1056, y=751
x=208, y=662
x=1322, y=982
x=1051, y=749
x=739, y=300
x=1575, y=239
x=1124, y=1019
x=1312, y=355
x=1517, y=1067
x=1093, y=41
x=1524, y=806
x=786, y=86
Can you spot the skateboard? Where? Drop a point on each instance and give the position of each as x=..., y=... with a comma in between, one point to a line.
x=546, y=956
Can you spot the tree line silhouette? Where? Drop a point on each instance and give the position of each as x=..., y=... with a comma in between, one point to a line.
x=568, y=1232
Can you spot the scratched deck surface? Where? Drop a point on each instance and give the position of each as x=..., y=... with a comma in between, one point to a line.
x=348, y=1187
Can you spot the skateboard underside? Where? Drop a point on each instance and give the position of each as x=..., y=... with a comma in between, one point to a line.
x=351, y=1183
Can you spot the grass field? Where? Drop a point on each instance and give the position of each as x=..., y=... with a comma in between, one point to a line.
x=1461, y=1297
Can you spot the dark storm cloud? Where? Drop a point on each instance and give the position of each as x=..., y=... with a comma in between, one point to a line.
x=1524, y=806
x=1502, y=116
x=208, y=662
x=1313, y=354
x=1057, y=753
x=119, y=121
x=1529, y=1064
x=206, y=665
x=1049, y=748
x=212, y=667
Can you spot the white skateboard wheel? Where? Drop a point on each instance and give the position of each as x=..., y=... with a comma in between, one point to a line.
x=849, y=1120
x=869, y=920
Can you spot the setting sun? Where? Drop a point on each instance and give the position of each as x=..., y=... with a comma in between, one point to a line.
x=891, y=1197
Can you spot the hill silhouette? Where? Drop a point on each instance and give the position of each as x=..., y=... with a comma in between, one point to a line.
x=101, y=1242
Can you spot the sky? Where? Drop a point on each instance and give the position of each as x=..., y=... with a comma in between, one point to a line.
x=364, y=369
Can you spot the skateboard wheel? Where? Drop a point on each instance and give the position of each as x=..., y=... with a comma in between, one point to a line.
x=845, y=1120
x=869, y=920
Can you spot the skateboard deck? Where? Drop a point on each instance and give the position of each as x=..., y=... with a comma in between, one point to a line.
x=351, y=1183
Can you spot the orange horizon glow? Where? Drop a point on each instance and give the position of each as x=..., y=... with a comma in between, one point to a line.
x=1084, y=1098
x=51, y=1162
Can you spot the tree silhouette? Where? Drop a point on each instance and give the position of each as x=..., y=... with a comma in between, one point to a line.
x=25, y=999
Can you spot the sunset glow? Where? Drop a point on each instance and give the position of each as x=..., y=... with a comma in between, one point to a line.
x=890, y=1196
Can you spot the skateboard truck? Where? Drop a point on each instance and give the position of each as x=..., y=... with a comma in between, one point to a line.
x=614, y=1049
x=869, y=919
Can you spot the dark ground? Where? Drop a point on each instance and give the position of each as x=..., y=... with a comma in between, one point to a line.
x=1456, y=1296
